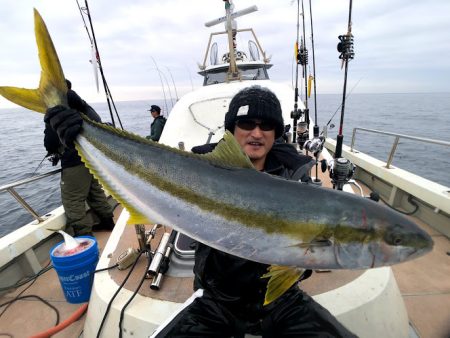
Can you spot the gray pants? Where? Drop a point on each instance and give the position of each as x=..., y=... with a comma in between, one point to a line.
x=79, y=187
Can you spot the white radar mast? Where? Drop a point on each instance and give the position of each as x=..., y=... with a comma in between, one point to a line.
x=231, y=28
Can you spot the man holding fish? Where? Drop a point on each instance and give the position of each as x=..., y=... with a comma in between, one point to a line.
x=230, y=291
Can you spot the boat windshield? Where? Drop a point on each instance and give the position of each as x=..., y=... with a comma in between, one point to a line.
x=219, y=75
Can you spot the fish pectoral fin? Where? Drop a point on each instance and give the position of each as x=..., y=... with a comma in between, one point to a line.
x=228, y=152
x=281, y=279
x=315, y=243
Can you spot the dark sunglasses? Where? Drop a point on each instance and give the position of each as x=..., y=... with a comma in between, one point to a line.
x=251, y=124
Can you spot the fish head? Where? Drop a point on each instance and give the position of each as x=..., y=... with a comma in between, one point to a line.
x=402, y=241
x=387, y=242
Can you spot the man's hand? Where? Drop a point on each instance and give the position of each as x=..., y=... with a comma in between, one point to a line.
x=66, y=122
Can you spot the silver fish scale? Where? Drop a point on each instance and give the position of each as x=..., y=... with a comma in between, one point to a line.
x=259, y=206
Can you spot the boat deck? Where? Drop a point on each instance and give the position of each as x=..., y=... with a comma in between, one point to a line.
x=424, y=284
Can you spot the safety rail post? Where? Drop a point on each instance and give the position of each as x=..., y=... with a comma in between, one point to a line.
x=24, y=204
x=10, y=188
x=391, y=154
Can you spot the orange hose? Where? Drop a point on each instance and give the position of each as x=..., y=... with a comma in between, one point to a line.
x=77, y=314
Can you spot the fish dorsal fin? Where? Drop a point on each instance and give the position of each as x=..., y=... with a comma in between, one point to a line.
x=229, y=153
x=281, y=278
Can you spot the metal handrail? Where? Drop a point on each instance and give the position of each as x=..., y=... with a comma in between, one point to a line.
x=10, y=188
x=396, y=140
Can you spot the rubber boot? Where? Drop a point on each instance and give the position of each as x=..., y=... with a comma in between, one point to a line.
x=106, y=224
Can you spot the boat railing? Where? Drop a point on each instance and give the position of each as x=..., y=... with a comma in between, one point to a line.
x=397, y=138
x=10, y=188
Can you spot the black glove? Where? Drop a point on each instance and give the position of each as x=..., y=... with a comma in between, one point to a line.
x=66, y=122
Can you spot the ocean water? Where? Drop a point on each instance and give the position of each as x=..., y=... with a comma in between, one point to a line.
x=421, y=115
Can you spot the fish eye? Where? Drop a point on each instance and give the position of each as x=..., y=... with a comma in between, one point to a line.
x=397, y=241
x=393, y=238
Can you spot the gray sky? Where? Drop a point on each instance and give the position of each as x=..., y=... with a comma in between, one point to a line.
x=400, y=45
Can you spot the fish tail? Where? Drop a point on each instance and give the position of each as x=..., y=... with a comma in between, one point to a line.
x=281, y=278
x=52, y=85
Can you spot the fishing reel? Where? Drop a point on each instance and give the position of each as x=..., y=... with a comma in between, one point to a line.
x=302, y=133
x=54, y=158
x=315, y=145
x=297, y=113
x=302, y=56
x=345, y=47
x=341, y=171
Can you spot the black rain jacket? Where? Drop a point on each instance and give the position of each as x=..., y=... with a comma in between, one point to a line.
x=232, y=279
x=69, y=157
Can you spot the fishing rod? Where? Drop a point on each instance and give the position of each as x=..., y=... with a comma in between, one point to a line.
x=303, y=126
x=301, y=129
x=315, y=145
x=339, y=107
x=162, y=83
x=173, y=83
x=341, y=169
x=190, y=77
x=168, y=88
x=97, y=61
x=296, y=113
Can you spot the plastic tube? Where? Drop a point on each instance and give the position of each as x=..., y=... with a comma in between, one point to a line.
x=74, y=317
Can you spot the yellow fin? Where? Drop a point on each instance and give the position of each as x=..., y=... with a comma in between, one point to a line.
x=138, y=219
x=135, y=216
x=27, y=98
x=229, y=153
x=281, y=279
x=52, y=85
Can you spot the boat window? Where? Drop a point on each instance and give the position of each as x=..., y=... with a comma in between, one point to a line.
x=248, y=73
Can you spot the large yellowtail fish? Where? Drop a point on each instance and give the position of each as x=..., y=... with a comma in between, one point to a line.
x=221, y=200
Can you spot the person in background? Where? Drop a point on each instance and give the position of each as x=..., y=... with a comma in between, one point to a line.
x=229, y=296
x=157, y=125
x=78, y=186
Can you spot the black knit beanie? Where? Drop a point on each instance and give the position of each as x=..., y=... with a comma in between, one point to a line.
x=258, y=103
